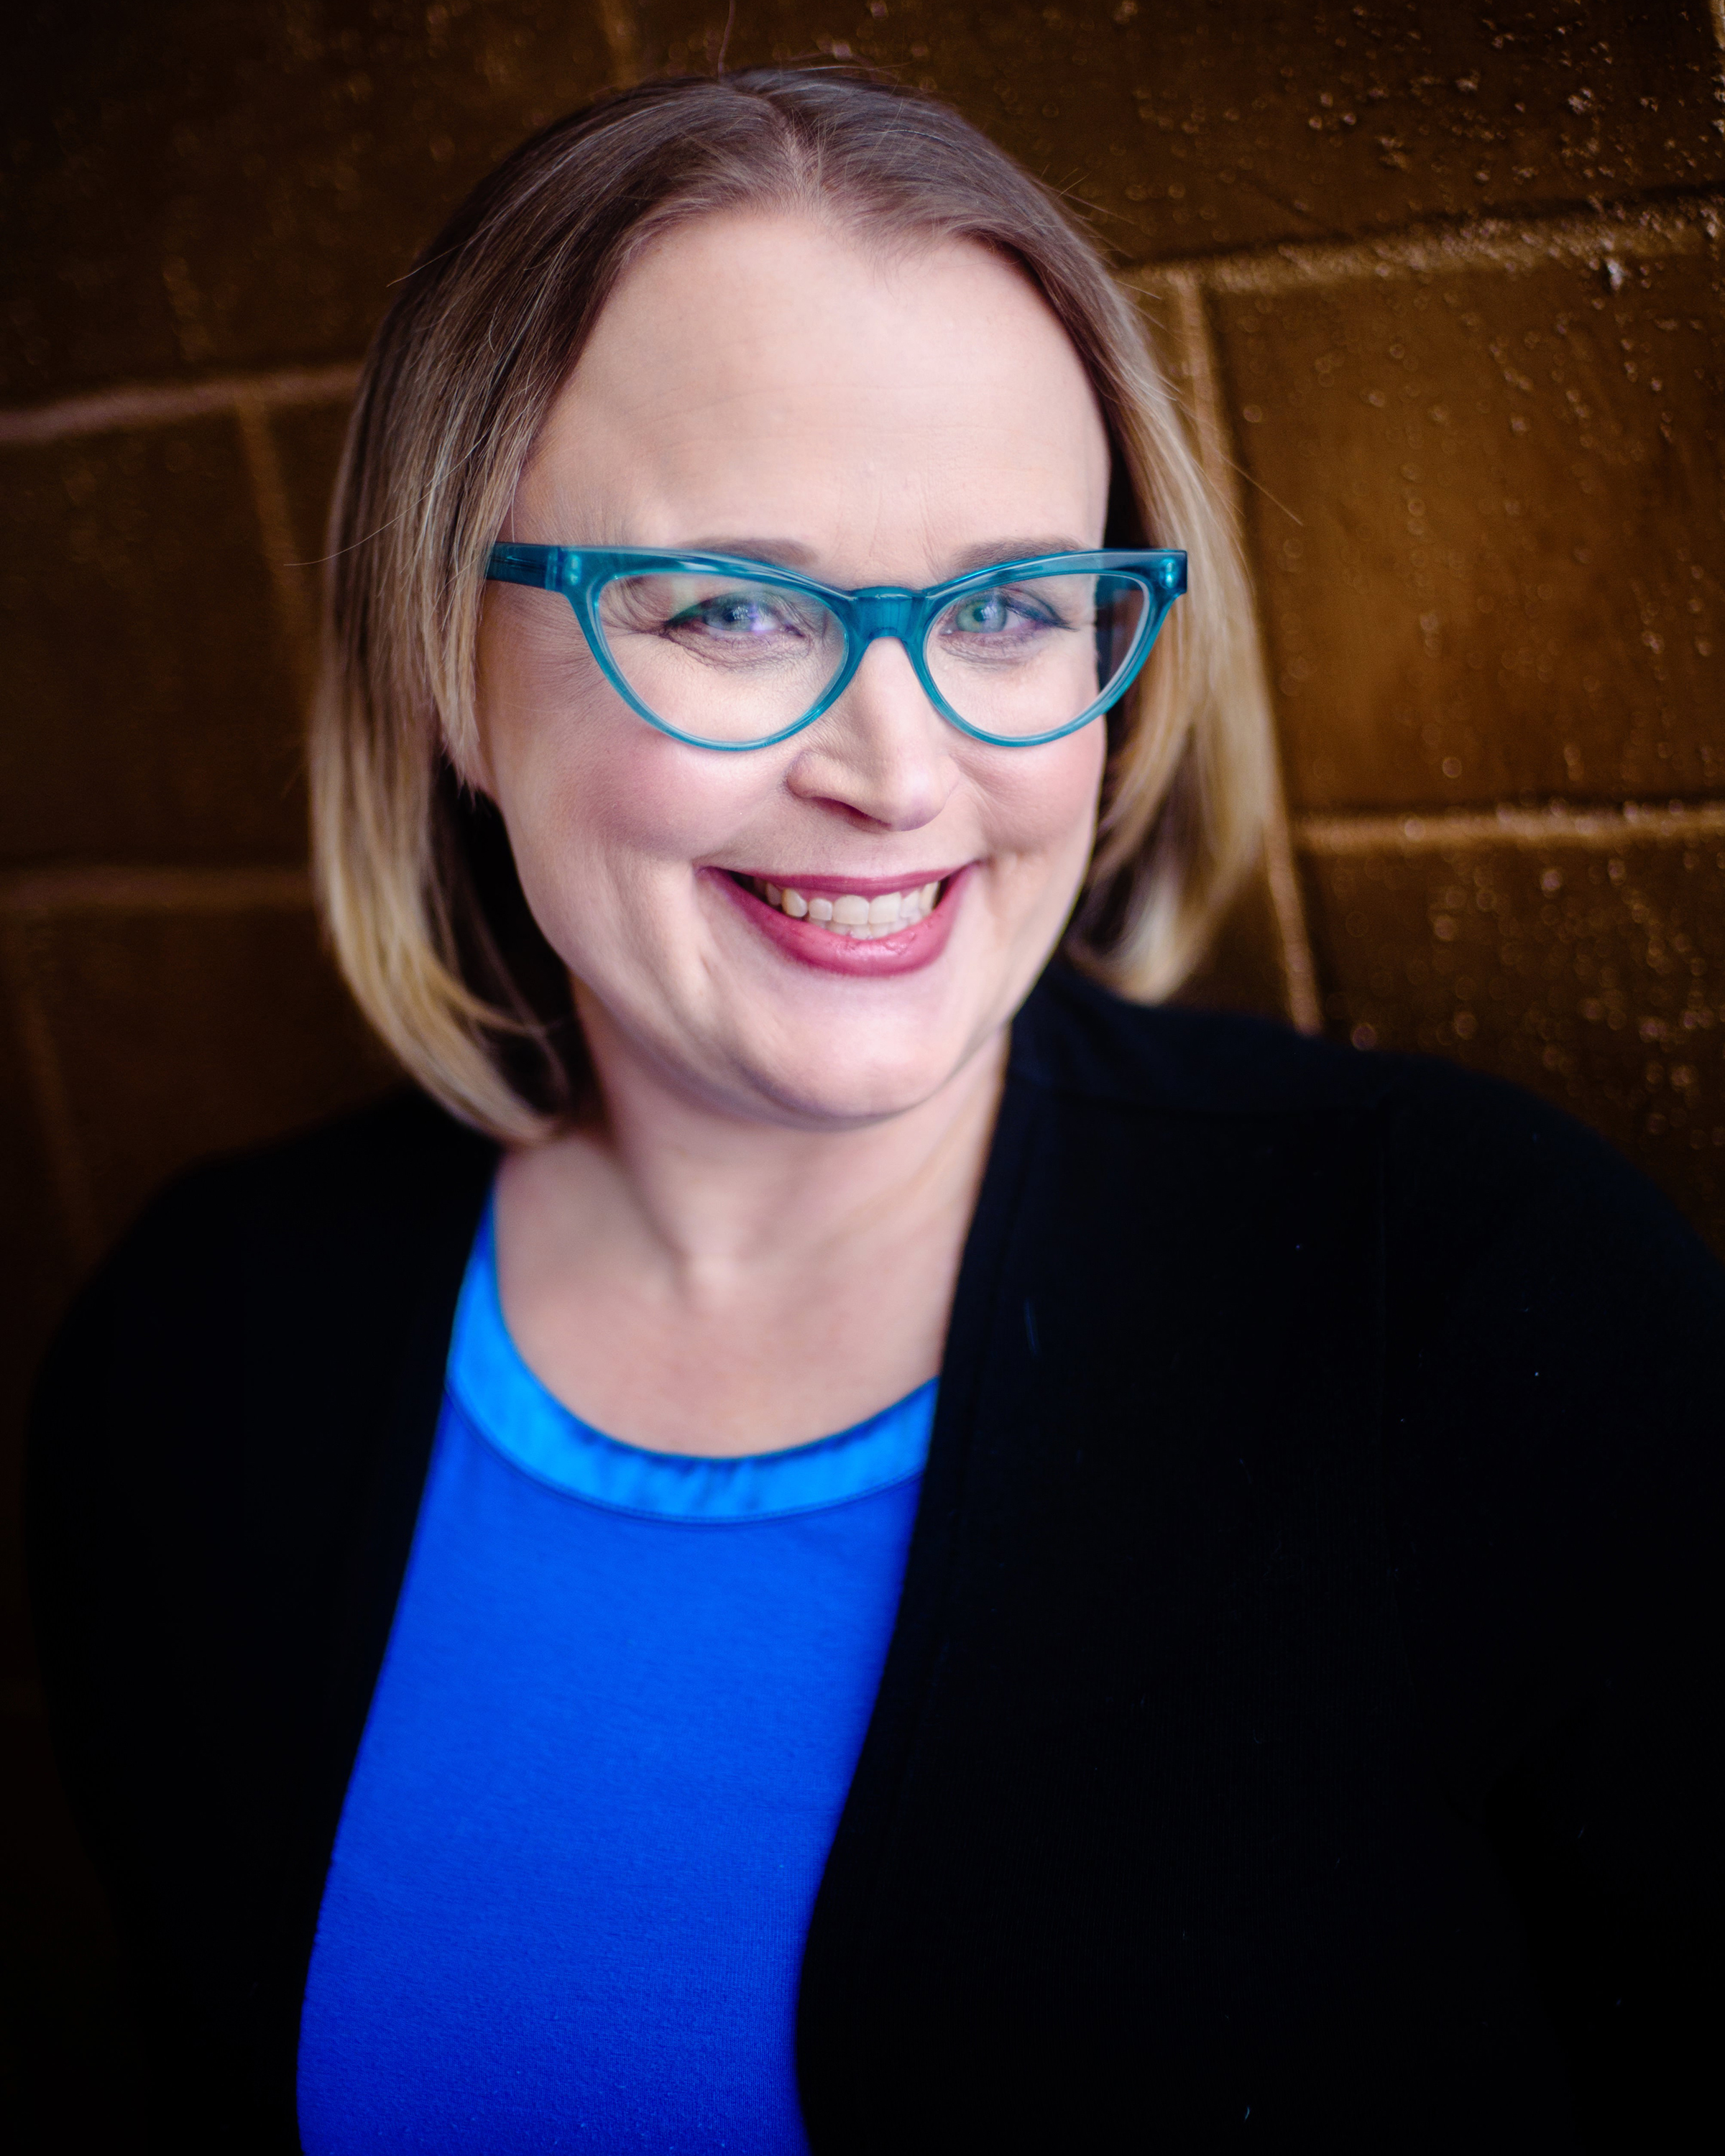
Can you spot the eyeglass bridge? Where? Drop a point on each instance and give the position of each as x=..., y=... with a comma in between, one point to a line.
x=883, y=610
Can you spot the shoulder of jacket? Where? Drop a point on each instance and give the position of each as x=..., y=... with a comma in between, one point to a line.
x=1076, y=1041
x=391, y=1176
x=1076, y=1037
x=403, y=1149
x=285, y=1275
x=1462, y=1157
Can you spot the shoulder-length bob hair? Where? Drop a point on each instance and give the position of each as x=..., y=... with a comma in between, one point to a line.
x=418, y=891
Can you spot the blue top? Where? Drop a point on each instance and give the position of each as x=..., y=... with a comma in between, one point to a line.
x=622, y=1700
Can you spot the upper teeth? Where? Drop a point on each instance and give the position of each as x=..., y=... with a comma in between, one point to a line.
x=853, y=915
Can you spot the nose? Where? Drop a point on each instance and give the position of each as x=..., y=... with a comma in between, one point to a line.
x=882, y=754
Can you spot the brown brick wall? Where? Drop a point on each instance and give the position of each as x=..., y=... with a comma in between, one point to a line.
x=1442, y=292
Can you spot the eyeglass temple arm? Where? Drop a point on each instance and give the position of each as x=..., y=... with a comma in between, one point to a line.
x=542, y=567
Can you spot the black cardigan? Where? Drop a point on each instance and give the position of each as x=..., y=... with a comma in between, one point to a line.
x=1295, y=1728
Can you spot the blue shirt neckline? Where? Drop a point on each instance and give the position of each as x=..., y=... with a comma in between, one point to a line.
x=516, y=1415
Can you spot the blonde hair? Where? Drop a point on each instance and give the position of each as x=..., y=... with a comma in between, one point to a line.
x=416, y=887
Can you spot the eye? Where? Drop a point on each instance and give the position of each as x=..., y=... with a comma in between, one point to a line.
x=733, y=613
x=987, y=612
x=1003, y=615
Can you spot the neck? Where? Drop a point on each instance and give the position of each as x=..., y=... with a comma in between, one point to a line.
x=696, y=1280
x=710, y=1198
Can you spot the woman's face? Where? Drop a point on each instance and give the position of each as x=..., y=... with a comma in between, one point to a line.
x=760, y=385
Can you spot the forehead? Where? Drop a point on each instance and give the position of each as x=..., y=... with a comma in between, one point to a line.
x=770, y=368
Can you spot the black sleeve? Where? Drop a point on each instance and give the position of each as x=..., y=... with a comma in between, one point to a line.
x=136, y=1470
x=1552, y=1485
x=226, y=1450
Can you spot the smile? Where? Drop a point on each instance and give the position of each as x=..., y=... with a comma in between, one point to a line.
x=869, y=929
x=863, y=919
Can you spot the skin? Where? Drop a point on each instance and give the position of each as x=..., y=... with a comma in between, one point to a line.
x=754, y=1239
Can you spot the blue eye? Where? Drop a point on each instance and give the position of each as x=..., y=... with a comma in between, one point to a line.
x=1000, y=616
x=733, y=614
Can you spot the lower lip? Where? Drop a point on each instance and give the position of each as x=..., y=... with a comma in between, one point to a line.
x=905, y=951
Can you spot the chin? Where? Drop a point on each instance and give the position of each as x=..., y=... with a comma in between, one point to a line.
x=838, y=1075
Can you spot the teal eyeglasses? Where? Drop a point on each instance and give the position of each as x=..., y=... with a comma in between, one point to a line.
x=727, y=654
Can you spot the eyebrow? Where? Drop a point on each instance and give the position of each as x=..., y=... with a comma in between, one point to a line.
x=1014, y=549
x=793, y=554
x=780, y=554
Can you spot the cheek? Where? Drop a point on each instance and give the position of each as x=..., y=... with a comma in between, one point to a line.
x=598, y=805
x=1041, y=802
x=605, y=809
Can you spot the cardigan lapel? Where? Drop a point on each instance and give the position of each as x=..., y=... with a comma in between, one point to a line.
x=1150, y=1509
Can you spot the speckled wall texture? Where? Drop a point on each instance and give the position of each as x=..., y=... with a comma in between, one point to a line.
x=1440, y=285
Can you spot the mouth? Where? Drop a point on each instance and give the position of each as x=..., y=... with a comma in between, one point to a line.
x=870, y=926
x=865, y=917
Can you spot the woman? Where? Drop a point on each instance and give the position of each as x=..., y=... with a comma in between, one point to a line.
x=828, y=1538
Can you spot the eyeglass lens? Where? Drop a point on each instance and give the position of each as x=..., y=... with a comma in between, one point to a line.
x=723, y=660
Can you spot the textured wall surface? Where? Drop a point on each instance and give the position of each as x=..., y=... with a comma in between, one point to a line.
x=1440, y=284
